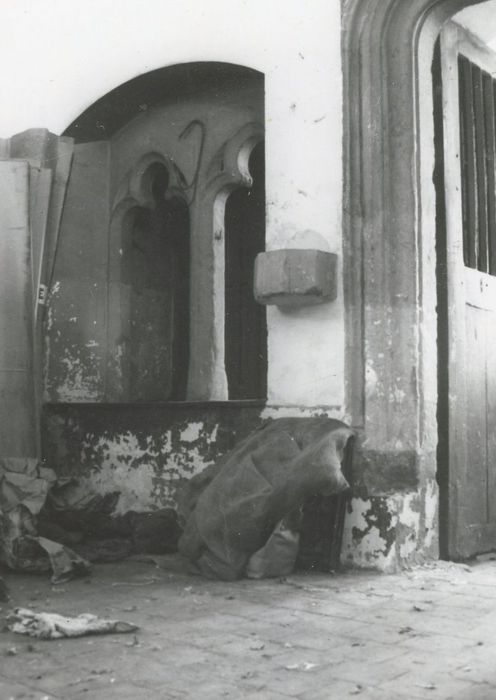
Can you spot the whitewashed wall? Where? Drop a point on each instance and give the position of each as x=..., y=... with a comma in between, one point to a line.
x=58, y=57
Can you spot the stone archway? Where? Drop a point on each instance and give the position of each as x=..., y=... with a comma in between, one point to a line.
x=381, y=187
x=389, y=233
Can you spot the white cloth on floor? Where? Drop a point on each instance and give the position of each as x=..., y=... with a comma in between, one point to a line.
x=54, y=626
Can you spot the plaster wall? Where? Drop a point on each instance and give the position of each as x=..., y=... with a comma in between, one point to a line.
x=298, y=51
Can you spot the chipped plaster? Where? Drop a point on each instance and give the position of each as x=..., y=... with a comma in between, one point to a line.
x=146, y=470
x=393, y=532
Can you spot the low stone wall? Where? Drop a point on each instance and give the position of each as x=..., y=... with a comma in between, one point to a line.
x=144, y=451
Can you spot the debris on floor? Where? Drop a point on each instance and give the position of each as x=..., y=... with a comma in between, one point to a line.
x=54, y=626
x=73, y=511
x=24, y=485
x=489, y=556
x=242, y=516
x=188, y=650
x=60, y=525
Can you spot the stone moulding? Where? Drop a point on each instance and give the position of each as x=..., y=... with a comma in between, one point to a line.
x=390, y=310
x=382, y=211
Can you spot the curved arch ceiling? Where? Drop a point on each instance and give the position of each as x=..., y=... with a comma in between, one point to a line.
x=111, y=112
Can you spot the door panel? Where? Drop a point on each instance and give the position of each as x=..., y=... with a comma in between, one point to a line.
x=469, y=314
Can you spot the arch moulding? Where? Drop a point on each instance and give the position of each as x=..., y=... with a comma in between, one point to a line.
x=382, y=217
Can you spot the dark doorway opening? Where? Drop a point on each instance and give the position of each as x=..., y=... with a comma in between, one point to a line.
x=245, y=320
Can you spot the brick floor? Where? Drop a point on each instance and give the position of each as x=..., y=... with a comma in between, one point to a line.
x=425, y=633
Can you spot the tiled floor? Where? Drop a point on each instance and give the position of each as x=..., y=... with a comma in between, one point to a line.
x=426, y=633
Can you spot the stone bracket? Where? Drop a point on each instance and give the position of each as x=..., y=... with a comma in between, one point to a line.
x=295, y=277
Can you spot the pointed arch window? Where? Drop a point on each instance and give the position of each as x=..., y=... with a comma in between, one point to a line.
x=153, y=292
x=245, y=328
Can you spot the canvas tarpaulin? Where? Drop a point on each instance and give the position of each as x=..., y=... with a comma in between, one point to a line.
x=231, y=509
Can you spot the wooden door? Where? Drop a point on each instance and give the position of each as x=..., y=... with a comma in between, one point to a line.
x=467, y=296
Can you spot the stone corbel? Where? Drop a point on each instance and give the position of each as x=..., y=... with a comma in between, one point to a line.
x=292, y=278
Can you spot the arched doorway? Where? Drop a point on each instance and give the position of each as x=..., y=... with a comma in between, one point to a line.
x=390, y=252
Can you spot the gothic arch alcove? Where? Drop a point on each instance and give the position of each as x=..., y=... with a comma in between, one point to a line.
x=149, y=269
x=136, y=385
x=146, y=322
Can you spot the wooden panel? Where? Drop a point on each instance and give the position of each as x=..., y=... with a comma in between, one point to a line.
x=480, y=289
x=17, y=405
x=77, y=335
x=490, y=151
x=53, y=152
x=82, y=248
x=475, y=482
x=480, y=158
x=39, y=197
x=491, y=418
x=470, y=317
x=476, y=538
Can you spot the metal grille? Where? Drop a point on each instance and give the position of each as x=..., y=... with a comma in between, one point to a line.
x=477, y=156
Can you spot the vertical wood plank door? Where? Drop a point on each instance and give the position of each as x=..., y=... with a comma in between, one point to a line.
x=467, y=296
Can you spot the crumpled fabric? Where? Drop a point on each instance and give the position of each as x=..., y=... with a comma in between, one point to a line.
x=231, y=509
x=64, y=562
x=21, y=549
x=24, y=486
x=85, y=521
x=278, y=555
x=54, y=626
x=24, y=481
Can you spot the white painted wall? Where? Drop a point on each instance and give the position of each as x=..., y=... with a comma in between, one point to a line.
x=480, y=19
x=58, y=57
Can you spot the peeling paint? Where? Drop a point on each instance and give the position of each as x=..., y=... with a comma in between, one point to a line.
x=371, y=380
x=73, y=363
x=143, y=451
x=191, y=433
x=391, y=533
x=146, y=471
